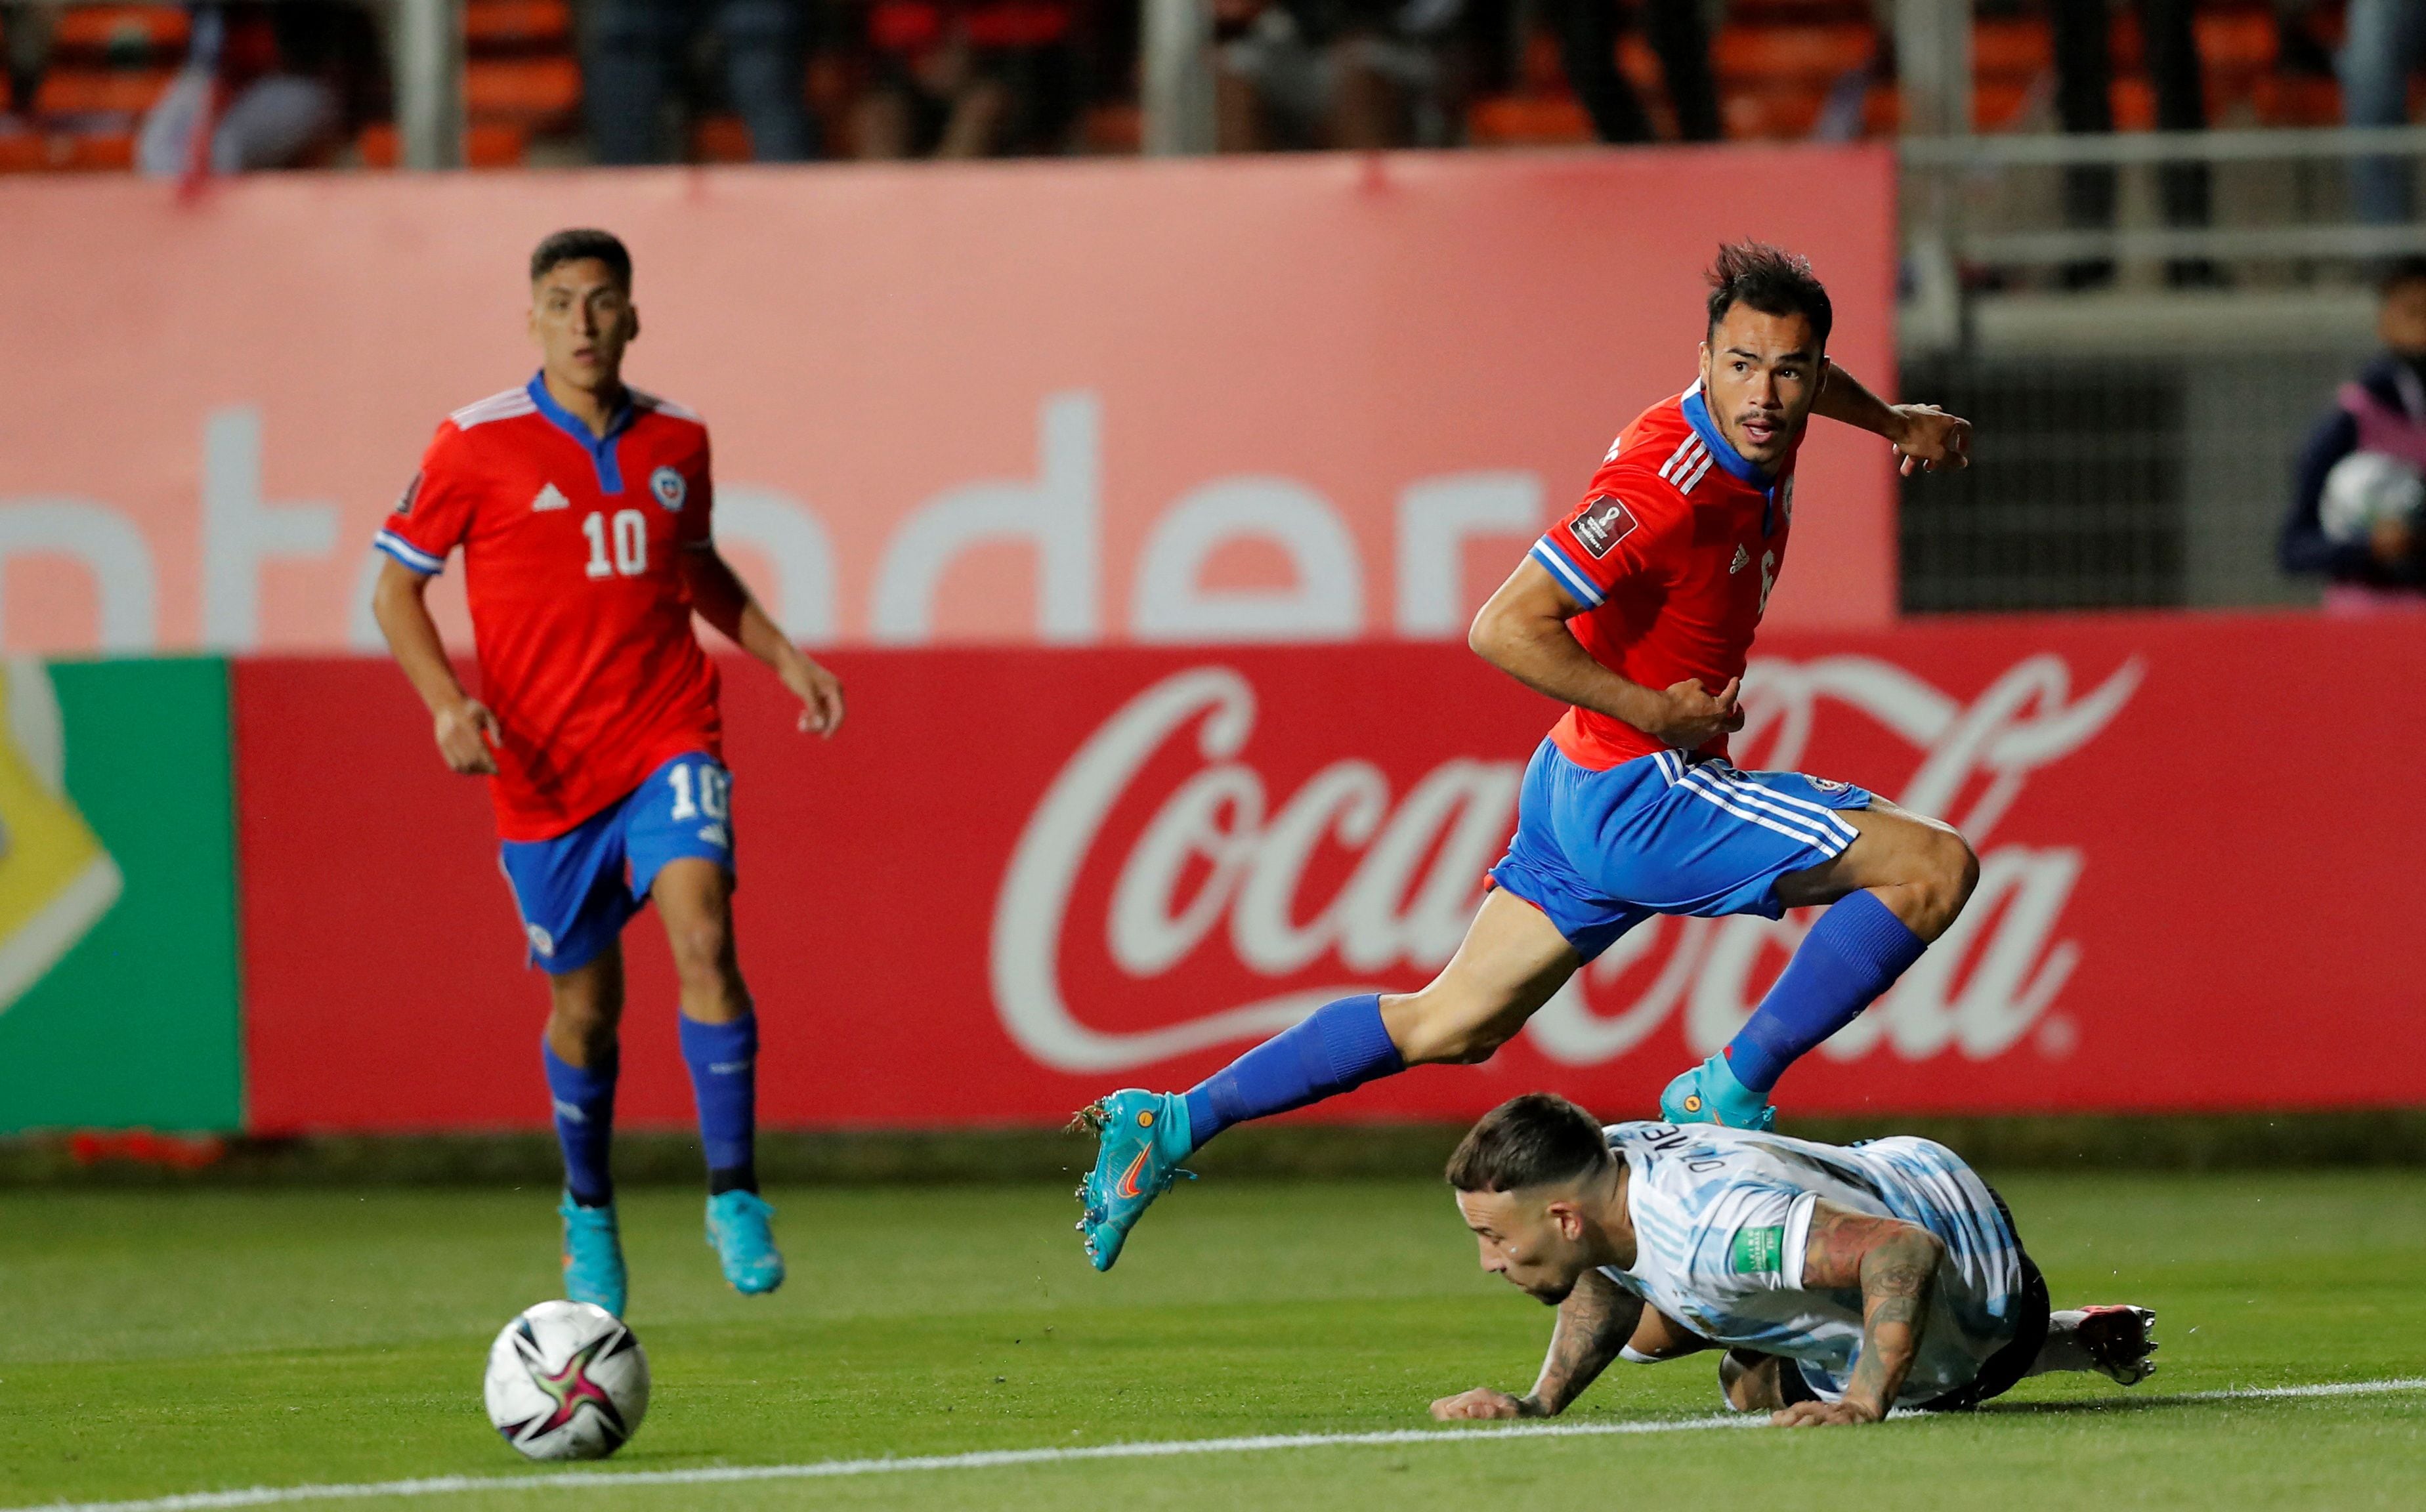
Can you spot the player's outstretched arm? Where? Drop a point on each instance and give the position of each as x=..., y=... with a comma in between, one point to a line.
x=1523, y=632
x=1925, y=436
x=1595, y=1323
x=464, y=729
x=1895, y=1265
x=725, y=602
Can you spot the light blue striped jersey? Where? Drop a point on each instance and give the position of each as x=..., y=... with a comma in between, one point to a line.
x=1721, y=1217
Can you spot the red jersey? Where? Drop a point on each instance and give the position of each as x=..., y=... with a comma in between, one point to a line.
x=1671, y=553
x=572, y=546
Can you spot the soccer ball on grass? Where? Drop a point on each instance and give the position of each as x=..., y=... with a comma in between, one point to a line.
x=567, y=1381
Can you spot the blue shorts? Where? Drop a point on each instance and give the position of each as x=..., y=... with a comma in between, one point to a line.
x=577, y=891
x=1600, y=852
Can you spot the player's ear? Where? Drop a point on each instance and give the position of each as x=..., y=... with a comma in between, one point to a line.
x=631, y=322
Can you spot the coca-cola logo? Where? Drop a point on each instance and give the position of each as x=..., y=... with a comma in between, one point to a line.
x=1419, y=857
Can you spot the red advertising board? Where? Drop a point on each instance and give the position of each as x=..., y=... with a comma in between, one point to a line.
x=1289, y=397
x=1022, y=877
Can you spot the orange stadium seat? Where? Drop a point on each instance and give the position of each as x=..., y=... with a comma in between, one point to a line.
x=1785, y=112
x=1115, y=127
x=2236, y=41
x=2011, y=49
x=517, y=26
x=486, y=144
x=719, y=140
x=2297, y=100
x=1527, y=120
x=531, y=91
x=111, y=29
x=77, y=91
x=1775, y=56
x=66, y=151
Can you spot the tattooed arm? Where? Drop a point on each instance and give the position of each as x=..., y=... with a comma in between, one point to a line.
x=1895, y=1265
x=1595, y=1322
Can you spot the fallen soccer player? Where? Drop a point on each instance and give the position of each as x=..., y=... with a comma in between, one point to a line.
x=1842, y=1281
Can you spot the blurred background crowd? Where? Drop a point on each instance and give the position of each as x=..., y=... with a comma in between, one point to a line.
x=306, y=82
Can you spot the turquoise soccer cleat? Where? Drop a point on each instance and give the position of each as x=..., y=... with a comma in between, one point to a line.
x=1144, y=1138
x=1709, y=1093
x=744, y=1245
x=593, y=1256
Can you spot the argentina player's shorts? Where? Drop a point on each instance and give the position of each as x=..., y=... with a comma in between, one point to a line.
x=1601, y=851
x=576, y=891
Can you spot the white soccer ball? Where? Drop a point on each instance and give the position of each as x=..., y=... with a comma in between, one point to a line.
x=567, y=1381
x=2365, y=489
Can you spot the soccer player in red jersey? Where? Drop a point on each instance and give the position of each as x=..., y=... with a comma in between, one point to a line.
x=1637, y=611
x=582, y=508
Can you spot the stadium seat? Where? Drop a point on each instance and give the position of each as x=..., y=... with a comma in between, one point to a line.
x=532, y=92
x=1527, y=120
x=85, y=91
x=486, y=144
x=2011, y=49
x=719, y=140
x=1775, y=56
x=1113, y=128
x=66, y=151
x=1782, y=113
x=491, y=26
x=116, y=31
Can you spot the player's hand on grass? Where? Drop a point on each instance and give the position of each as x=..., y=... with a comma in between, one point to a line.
x=1690, y=717
x=467, y=734
x=1823, y=1414
x=819, y=692
x=1931, y=440
x=1483, y=1405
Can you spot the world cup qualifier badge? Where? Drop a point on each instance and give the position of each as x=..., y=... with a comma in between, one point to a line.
x=1601, y=524
x=669, y=488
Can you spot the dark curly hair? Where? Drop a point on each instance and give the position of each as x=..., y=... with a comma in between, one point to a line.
x=1773, y=281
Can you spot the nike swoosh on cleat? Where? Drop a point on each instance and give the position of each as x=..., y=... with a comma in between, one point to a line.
x=1129, y=1184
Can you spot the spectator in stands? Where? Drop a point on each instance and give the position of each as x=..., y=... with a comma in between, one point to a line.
x=26, y=27
x=2383, y=411
x=634, y=44
x=1340, y=74
x=1588, y=32
x=265, y=87
x=2382, y=46
x=967, y=78
x=2084, y=71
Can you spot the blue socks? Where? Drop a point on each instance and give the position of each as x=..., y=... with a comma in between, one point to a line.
x=723, y=1061
x=1855, y=952
x=1339, y=1046
x=585, y=1124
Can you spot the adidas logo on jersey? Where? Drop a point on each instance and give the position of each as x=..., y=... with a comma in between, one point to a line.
x=1743, y=559
x=550, y=497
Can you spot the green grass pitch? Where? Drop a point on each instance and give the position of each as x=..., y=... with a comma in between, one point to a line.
x=155, y=1343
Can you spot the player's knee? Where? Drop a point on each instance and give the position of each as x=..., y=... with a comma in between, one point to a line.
x=1437, y=1038
x=701, y=948
x=1950, y=872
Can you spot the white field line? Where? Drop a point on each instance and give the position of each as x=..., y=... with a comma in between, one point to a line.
x=999, y=1458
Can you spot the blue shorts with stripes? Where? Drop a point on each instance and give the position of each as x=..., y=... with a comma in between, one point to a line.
x=576, y=891
x=1599, y=852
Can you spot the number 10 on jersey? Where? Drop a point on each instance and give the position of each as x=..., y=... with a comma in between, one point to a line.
x=630, y=532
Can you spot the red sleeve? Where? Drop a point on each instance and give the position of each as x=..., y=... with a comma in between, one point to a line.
x=1623, y=531
x=434, y=513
